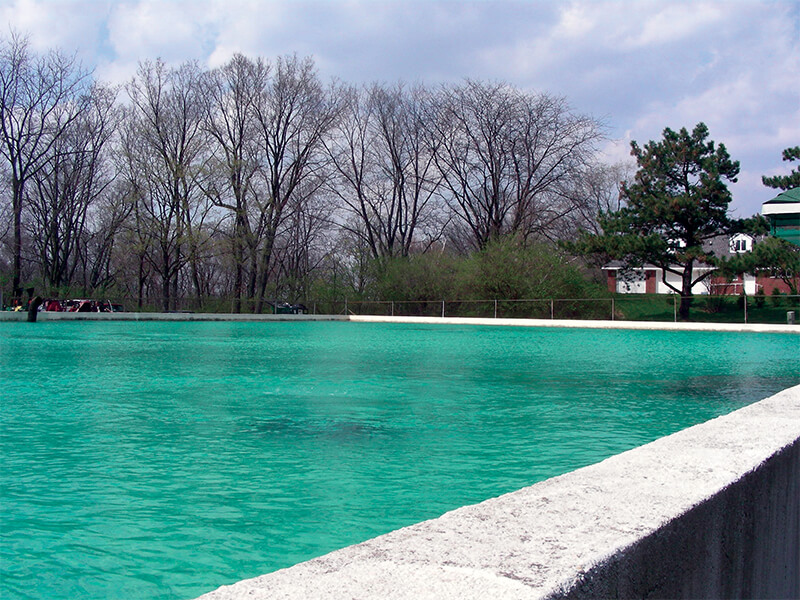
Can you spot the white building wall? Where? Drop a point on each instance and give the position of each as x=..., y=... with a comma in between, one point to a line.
x=750, y=287
x=697, y=288
x=634, y=284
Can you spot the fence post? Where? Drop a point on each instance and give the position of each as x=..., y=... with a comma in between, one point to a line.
x=612, y=309
x=675, y=307
x=392, y=307
x=495, y=309
x=744, y=297
x=552, y=310
x=443, y=309
x=345, y=306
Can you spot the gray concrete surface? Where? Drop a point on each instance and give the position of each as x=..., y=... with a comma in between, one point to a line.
x=711, y=511
x=148, y=316
x=575, y=323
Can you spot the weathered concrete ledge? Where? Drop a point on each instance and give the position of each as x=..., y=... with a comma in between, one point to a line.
x=648, y=325
x=153, y=316
x=711, y=511
x=579, y=324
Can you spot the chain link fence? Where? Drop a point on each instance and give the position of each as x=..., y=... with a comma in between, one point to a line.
x=715, y=309
x=774, y=309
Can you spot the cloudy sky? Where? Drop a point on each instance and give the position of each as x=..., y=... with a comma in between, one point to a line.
x=637, y=65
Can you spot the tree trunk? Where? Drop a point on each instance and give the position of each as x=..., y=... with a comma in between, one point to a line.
x=686, y=292
x=141, y=281
x=263, y=277
x=17, y=201
x=33, y=309
x=165, y=280
x=237, y=299
x=174, y=295
x=238, y=259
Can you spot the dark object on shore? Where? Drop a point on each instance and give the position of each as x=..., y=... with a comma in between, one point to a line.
x=88, y=305
x=284, y=308
x=33, y=308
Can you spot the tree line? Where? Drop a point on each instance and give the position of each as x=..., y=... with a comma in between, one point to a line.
x=257, y=180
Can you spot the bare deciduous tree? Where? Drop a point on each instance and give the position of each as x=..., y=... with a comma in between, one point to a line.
x=597, y=191
x=40, y=97
x=293, y=114
x=232, y=93
x=386, y=176
x=165, y=146
x=303, y=242
x=508, y=157
x=75, y=173
x=249, y=180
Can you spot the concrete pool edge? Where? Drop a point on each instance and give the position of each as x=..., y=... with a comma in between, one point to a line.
x=579, y=324
x=7, y=316
x=45, y=316
x=713, y=511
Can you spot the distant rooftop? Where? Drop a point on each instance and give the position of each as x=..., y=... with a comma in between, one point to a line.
x=783, y=212
x=792, y=195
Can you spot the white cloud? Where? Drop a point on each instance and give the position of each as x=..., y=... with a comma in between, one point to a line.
x=248, y=27
x=56, y=25
x=150, y=29
x=747, y=93
x=618, y=151
x=751, y=193
x=673, y=23
x=574, y=22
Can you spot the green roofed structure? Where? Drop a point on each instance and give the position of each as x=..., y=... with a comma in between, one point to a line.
x=783, y=212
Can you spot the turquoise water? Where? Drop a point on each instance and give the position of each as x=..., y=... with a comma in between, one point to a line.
x=161, y=460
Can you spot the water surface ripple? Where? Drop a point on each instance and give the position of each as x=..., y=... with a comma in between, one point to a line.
x=161, y=460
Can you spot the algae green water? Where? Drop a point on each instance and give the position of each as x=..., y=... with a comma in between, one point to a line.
x=162, y=460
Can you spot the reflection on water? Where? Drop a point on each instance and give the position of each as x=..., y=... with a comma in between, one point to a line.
x=161, y=460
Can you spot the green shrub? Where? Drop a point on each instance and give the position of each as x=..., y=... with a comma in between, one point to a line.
x=759, y=298
x=420, y=277
x=777, y=298
x=715, y=303
x=506, y=270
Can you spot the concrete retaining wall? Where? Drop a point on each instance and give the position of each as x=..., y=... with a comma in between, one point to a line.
x=580, y=324
x=152, y=316
x=711, y=511
x=743, y=542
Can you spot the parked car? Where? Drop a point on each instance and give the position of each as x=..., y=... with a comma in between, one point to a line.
x=89, y=305
x=284, y=308
x=79, y=305
x=52, y=305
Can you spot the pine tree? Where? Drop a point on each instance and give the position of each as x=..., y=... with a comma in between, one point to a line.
x=785, y=182
x=677, y=202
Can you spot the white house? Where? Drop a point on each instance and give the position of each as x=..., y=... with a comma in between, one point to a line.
x=649, y=280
